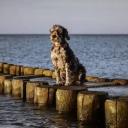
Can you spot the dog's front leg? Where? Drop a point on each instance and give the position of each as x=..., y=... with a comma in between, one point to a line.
x=57, y=74
x=68, y=75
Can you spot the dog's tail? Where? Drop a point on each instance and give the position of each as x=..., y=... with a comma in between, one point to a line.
x=82, y=74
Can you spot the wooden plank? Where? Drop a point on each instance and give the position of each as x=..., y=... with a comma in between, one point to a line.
x=27, y=77
x=102, y=84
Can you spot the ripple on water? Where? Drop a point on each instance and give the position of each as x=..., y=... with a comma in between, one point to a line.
x=104, y=56
x=16, y=114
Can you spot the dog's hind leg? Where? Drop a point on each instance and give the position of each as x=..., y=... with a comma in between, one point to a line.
x=69, y=76
x=82, y=74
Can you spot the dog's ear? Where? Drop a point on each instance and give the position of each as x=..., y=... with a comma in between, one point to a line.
x=66, y=34
x=54, y=27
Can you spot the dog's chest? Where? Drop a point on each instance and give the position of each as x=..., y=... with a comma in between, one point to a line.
x=58, y=56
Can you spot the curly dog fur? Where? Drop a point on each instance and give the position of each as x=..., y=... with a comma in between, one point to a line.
x=68, y=70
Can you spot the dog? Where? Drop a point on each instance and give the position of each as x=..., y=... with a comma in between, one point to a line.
x=68, y=70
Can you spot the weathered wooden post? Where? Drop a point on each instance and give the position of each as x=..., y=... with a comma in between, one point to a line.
x=1, y=84
x=40, y=95
x=53, y=75
x=19, y=70
x=30, y=87
x=29, y=70
x=120, y=82
x=12, y=69
x=90, y=107
x=66, y=98
x=7, y=86
x=15, y=70
x=44, y=95
x=2, y=78
x=6, y=68
x=17, y=84
x=47, y=72
x=1, y=67
x=116, y=111
x=38, y=71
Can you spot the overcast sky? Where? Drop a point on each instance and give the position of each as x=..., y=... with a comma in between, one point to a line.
x=79, y=16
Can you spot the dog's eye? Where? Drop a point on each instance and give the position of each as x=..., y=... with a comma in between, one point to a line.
x=54, y=36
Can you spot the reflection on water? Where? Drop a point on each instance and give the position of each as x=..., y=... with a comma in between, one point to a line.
x=18, y=114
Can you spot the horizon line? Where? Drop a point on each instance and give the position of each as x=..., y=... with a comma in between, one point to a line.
x=69, y=34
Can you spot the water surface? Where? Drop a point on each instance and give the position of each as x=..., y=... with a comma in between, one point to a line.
x=102, y=55
x=18, y=114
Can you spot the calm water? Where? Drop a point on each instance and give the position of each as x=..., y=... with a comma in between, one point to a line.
x=105, y=56
x=17, y=114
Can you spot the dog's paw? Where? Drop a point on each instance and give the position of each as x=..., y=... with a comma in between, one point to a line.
x=60, y=84
x=67, y=84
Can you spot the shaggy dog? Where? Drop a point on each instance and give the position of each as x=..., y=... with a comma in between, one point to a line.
x=68, y=70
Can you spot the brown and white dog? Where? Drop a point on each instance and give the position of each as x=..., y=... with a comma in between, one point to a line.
x=68, y=70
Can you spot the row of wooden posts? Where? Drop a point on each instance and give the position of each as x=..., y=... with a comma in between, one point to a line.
x=90, y=107
x=25, y=70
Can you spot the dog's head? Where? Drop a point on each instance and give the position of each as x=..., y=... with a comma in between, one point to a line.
x=58, y=34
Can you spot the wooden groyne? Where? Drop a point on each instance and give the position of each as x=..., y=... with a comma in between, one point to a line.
x=116, y=112
x=89, y=107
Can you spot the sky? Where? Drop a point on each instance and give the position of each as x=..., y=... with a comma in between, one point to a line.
x=78, y=16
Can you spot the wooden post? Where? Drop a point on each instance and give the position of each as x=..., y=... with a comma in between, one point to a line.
x=66, y=98
x=16, y=87
x=12, y=70
x=110, y=113
x=120, y=82
x=38, y=71
x=29, y=71
x=44, y=95
x=1, y=67
x=6, y=68
x=90, y=107
x=18, y=70
x=7, y=86
x=21, y=70
x=2, y=78
x=122, y=113
x=30, y=87
x=53, y=75
x=116, y=111
x=40, y=96
x=47, y=72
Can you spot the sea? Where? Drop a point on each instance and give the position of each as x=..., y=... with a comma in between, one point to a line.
x=102, y=55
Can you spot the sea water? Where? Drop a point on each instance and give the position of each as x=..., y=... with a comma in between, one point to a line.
x=102, y=55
